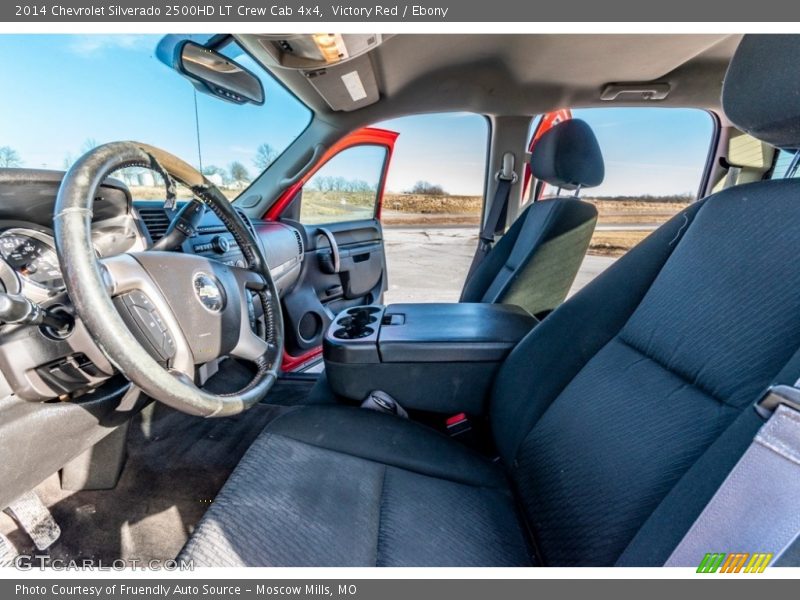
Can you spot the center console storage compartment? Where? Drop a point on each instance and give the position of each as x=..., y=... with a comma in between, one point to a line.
x=433, y=357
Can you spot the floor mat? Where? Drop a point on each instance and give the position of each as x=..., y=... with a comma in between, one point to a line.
x=176, y=465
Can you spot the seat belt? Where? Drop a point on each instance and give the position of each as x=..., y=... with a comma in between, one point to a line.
x=531, y=234
x=495, y=221
x=754, y=516
x=732, y=177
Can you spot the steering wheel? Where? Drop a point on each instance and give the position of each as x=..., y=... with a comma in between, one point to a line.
x=203, y=308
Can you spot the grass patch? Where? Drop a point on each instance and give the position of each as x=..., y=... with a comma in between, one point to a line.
x=615, y=243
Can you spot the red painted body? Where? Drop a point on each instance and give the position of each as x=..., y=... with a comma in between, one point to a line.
x=291, y=363
x=361, y=137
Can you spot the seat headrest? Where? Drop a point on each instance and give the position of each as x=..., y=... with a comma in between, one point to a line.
x=568, y=156
x=761, y=92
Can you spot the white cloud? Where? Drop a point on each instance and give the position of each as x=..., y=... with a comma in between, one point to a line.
x=94, y=45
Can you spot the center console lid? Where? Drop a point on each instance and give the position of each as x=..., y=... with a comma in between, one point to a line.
x=426, y=333
x=451, y=332
x=456, y=348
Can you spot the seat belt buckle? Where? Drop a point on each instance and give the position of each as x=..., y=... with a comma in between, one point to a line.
x=382, y=402
x=458, y=425
x=775, y=396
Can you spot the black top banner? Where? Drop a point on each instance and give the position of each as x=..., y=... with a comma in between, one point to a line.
x=443, y=11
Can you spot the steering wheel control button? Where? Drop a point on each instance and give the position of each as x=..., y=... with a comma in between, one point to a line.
x=209, y=292
x=146, y=324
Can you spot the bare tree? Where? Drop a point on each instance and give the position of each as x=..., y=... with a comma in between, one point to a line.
x=361, y=187
x=212, y=170
x=425, y=188
x=265, y=154
x=238, y=171
x=88, y=144
x=9, y=157
x=320, y=183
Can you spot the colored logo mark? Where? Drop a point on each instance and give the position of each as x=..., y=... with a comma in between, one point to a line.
x=736, y=562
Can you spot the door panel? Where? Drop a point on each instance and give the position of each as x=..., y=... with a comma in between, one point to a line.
x=362, y=264
x=323, y=290
x=345, y=261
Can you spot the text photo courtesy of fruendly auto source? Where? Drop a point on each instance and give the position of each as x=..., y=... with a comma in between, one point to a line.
x=430, y=300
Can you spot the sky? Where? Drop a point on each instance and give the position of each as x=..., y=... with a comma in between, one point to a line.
x=69, y=90
x=656, y=151
x=444, y=149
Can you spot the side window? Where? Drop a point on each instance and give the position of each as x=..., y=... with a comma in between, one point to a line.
x=654, y=161
x=782, y=164
x=345, y=188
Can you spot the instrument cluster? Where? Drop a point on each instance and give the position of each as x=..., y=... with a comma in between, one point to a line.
x=30, y=257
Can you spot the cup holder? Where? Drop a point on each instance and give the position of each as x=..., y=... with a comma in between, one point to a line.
x=356, y=321
x=363, y=310
x=353, y=333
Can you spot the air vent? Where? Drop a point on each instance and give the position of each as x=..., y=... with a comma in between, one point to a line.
x=246, y=220
x=299, y=241
x=155, y=220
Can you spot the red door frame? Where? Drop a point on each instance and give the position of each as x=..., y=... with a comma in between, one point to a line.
x=364, y=136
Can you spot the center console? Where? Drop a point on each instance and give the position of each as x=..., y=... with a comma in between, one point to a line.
x=433, y=357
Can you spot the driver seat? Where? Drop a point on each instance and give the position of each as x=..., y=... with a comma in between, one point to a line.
x=615, y=419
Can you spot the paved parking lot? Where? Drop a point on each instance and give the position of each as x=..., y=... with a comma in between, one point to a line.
x=430, y=265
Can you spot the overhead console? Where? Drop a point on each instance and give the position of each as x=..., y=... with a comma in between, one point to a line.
x=309, y=51
x=337, y=65
x=433, y=357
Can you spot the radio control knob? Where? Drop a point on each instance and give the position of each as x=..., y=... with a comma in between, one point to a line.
x=220, y=245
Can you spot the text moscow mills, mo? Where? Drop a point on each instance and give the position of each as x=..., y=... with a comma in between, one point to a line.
x=187, y=590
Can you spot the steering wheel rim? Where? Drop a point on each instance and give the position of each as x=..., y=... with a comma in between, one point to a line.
x=91, y=283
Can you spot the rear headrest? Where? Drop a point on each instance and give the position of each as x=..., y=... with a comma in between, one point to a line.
x=568, y=156
x=761, y=92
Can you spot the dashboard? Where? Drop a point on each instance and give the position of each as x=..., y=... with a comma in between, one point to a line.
x=282, y=244
x=30, y=362
x=28, y=260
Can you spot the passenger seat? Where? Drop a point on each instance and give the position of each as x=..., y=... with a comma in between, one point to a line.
x=535, y=263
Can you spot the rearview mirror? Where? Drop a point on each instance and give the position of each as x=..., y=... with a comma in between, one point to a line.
x=215, y=74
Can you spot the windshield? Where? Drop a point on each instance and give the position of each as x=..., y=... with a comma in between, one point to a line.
x=71, y=93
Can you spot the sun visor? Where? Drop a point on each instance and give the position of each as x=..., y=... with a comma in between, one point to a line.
x=348, y=86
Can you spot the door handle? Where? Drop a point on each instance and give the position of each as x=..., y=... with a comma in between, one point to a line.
x=315, y=156
x=334, y=248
